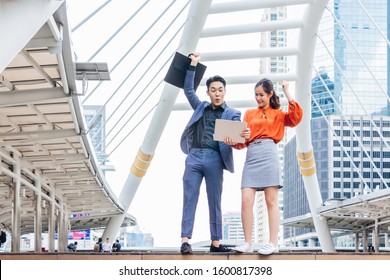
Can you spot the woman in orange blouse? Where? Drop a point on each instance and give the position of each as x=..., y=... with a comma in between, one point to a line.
x=262, y=172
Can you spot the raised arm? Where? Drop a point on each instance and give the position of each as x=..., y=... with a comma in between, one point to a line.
x=189, y=90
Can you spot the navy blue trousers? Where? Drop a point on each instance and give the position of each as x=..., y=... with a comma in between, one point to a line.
x=202, y=163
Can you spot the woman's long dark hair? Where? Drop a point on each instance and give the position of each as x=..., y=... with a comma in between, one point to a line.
x=268, y=87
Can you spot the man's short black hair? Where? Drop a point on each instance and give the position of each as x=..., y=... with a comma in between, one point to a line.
x=215, y=78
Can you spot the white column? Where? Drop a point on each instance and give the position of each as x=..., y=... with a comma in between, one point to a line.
x=38, y=214
x=305, y=151
x=16, y=211
x=52, y=222
x=375, y=236
x=61, y=230
x=365, y=240
x=356, y=241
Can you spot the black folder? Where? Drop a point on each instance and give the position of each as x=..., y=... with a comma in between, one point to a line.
x=177, y=71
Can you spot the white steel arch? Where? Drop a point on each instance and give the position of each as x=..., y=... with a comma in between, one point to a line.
x=46, y=155
x=304, y=52
x=305, y=152
x=196, y=17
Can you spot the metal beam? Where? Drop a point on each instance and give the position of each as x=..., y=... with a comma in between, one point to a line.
x=238, y=80
x=247, y=5
x=73, y=175
x=61, y=159
x=6, y=83
x=251, y=28
x=14, y=14
x=35, y=136
x=23, y=97
x=38, y=67
x=244, y=54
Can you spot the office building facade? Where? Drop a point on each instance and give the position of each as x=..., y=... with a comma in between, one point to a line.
x=349, y=110
x=350, y=158
x=232, y=227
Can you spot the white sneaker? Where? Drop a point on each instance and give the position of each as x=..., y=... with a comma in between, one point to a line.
x=243, y=248
x=268, y=249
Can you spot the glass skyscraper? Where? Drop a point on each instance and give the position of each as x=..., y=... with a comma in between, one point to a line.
x=97, y=132
x=353, y=51
x=352, y=60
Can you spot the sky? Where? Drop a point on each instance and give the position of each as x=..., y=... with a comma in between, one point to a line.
x=157, y=204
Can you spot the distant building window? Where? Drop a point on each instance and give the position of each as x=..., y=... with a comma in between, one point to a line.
x=347, y=195
x=376, y=154
x=347, y=174
x=346, y=133
x=357, y=132
x=354, y=25
x=346, y=143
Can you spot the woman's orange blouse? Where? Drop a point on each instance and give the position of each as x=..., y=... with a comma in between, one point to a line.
x=270, y=123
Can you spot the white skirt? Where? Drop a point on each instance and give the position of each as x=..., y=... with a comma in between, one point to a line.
x=262, y=166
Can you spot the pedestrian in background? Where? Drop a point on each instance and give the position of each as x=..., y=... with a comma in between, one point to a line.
x=107, y=246
x=72, y=247
x=116, y=247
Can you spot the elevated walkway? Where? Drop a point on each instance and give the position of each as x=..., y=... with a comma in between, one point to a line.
x=201, y=255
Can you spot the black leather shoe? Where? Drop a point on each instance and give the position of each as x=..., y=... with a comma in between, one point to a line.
x=220, y=249
x=185, y=249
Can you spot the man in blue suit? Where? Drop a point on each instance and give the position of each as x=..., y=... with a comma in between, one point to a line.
x=206, y=158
